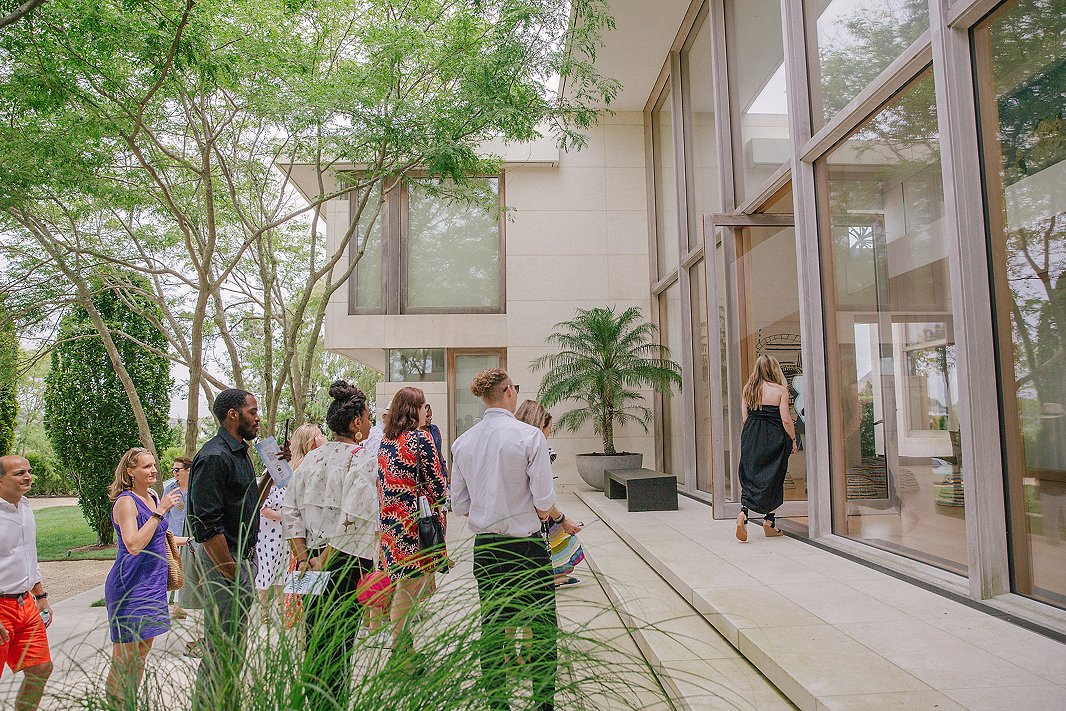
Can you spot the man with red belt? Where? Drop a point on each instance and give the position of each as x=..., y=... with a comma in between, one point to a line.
x=24, y=608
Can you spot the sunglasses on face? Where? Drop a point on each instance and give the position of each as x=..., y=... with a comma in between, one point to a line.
x=516, y=387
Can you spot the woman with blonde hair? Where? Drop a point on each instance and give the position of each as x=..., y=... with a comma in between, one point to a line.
x=566, y=550
x=766, y=442
x=136, y=588
x=306, y=438
x=270, y=545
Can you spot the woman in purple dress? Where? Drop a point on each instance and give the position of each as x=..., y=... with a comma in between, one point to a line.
x=136, y=587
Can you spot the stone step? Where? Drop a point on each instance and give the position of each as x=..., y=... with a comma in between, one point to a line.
x=698, y=667
x=833, y=634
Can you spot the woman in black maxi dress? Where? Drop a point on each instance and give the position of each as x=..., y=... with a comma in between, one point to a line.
x=766, y=442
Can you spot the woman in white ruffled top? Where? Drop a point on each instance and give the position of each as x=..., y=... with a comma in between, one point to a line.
x=330, y=514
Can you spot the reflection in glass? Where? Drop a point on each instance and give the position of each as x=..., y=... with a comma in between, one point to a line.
x=856, y=40
x=666, y=228
x=757, y=93
x=416, y=365
x=673, y=404
x=768, y=298
x=368, y=270
x=453, y=252
x=723, y=376
x=706, y=193
x=469, y=409
x=701, y=366
x=897, y=460
x=1022, y=92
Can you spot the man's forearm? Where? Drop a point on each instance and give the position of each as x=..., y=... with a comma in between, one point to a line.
x=553, y=512
x=218, y=551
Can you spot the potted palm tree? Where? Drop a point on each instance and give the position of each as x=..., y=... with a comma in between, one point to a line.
x=604, y=358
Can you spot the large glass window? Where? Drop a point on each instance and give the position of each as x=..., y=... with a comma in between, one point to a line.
x=453, y=253
x=1022, y=94
x=701, y=374
x=706, y=193
x=666, y=225
x=757, y=93
x=673, y=404
x=721, y=291
x=416, y=365
x=428, y=252
x=855, y=41
x=894, y=392
x=366, y=279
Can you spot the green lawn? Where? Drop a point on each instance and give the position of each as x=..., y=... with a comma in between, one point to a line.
x=61, y=528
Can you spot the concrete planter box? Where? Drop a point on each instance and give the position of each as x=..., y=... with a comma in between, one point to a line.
x=592, y=466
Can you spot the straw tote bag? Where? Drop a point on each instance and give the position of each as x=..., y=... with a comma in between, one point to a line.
x=175, y=573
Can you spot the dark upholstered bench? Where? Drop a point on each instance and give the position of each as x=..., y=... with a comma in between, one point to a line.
x=643, y=489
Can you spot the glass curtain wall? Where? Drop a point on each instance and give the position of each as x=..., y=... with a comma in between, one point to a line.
x=666, y=223
x=897, y=460
x=851, y=42
x=759, y=104
x=705, y=196
x=673, y=413
x=1021, y=81
x=701, y=375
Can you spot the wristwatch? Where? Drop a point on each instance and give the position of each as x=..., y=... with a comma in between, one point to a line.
x=156, y=514
x=42, y=596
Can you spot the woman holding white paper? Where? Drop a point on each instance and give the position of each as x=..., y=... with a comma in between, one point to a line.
x=330, y=517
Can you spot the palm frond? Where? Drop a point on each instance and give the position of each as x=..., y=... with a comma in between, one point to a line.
x=604, y=359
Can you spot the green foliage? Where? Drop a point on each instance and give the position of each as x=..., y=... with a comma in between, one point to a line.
x=149, y=134
x=595, y=668
x=867, y=435
x=9, y=350
x=604, y=359
x=87, y=414
x=49, y=478
x=60, y=529
x=166, y=461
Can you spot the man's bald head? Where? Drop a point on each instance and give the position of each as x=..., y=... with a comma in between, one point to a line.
x=15, y=477
x=12, y=463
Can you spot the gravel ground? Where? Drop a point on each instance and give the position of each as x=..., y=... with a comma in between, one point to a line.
x=47, y=502
x=66, y=578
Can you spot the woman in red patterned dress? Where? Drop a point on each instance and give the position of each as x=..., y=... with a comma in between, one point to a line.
x=407, y=455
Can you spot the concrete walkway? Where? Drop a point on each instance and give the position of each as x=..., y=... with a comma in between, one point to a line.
x=81, y=647
x=834, y=634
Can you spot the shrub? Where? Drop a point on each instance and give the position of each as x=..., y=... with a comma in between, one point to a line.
x=88, y=415
x=49, y=479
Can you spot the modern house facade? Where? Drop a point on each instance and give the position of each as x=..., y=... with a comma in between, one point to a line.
x=871, y=190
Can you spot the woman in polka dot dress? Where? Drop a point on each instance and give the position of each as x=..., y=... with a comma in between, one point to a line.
x=270, y=548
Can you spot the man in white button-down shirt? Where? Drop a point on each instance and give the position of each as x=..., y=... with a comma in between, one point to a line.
x=23, y=600
x=502, y=480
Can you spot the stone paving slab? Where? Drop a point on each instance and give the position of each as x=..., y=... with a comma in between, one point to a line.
x=700, y=668
x=832, y=633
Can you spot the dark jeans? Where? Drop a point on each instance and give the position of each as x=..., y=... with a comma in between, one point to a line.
x=226, y=604
x=333, y=622
x=516, y=590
